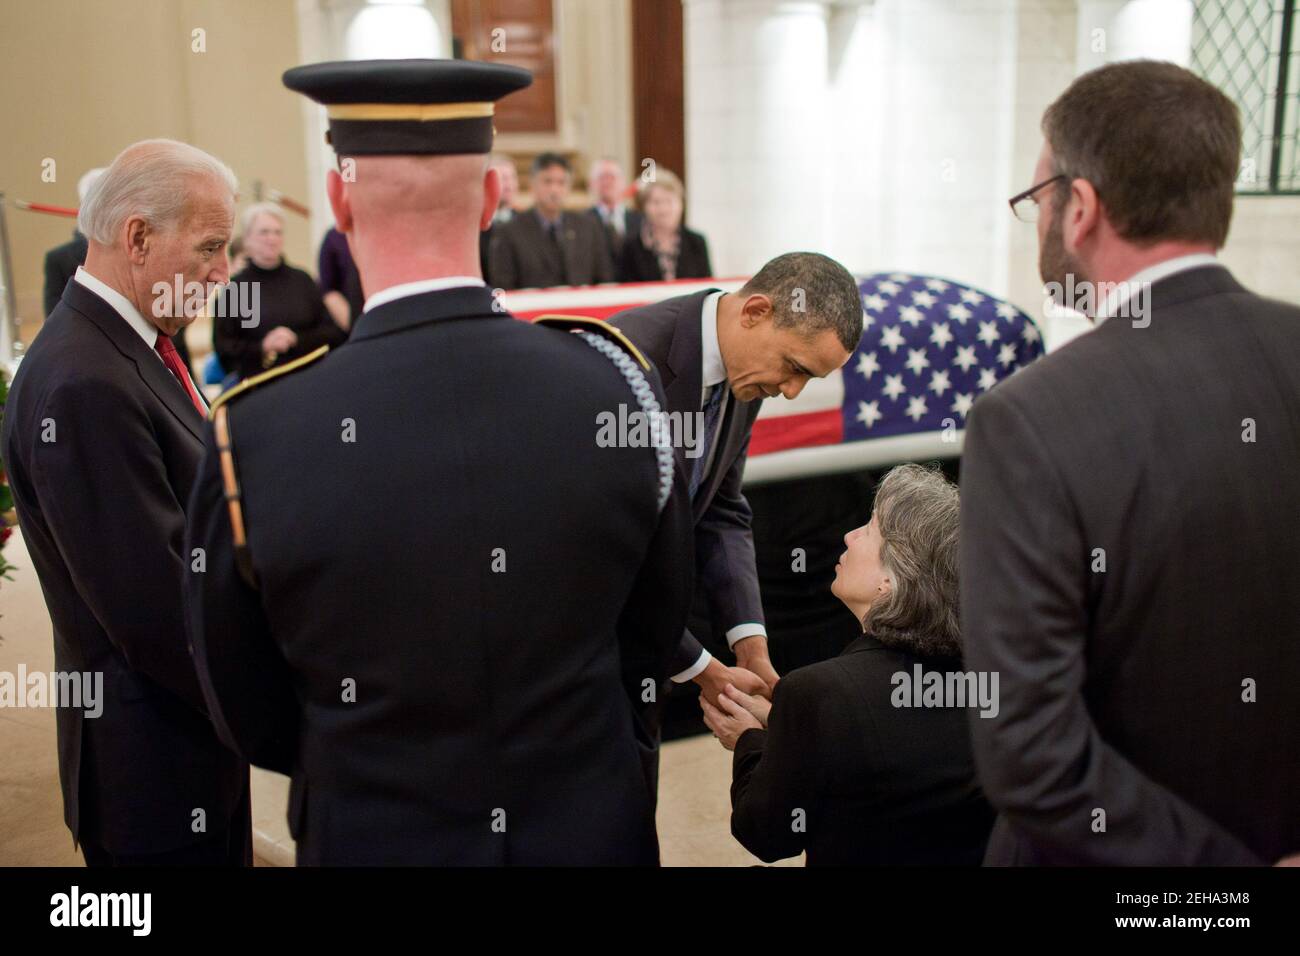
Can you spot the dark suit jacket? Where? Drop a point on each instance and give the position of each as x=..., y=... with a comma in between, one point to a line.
x=479, y=690
x=632, y=221
x=876, y=784
x=639, y=264
x=1122, y=684
x=61, y=265
x=669, y=333
x=101, y=444
x=522, y=256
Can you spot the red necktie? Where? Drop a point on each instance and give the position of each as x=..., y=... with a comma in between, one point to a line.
x=172, y=359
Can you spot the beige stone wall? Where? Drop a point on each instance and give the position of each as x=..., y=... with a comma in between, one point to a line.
x=1263, y=249
x=81, y=80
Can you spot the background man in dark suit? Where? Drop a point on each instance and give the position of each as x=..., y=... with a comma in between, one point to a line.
x=1129, y=558
x=438, y=664
x=101, y=441
x=719, y=355
x=61, y=262
x=619, y=220
x=548, y=246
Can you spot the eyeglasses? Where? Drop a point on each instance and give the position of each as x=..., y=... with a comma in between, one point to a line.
x=1023, y=206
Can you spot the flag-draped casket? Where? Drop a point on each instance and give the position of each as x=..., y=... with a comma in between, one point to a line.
x=930, y=347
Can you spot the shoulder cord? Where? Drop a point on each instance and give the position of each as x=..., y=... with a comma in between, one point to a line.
x=645, y=397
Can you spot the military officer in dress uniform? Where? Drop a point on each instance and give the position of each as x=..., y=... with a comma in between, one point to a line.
x=424, y=580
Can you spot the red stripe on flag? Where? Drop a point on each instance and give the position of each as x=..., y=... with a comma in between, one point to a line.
x=783, y=432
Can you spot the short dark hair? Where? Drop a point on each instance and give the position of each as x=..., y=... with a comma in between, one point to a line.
x=547, y=160
x=917, y=511
x=1159, y=144
x=811, y=292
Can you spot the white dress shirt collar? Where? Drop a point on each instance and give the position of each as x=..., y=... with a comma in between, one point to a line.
x=122, y=306
x=615, y=216
x=713, y=369
x=1150, y=275
x=393, y=292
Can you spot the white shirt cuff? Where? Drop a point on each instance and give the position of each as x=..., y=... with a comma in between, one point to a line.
x=694, y=669
x=742, y=631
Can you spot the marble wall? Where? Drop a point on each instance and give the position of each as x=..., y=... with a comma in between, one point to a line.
x=890, y=134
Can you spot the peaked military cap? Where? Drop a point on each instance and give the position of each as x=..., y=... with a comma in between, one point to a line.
x=408, y=107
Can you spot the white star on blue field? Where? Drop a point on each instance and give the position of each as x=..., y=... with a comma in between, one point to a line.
x=930, y=348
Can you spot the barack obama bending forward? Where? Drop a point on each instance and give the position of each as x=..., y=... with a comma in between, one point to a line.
x=719, y=355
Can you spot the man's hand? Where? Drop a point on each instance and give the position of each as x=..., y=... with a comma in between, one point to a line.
x=1292, y=860
x=715, y=678
x=760, y=707
x=279, y=339
x=751, y=654
x=728, y=720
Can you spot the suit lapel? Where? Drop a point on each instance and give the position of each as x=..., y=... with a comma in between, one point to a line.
x=685, y=355
x=536, y=235
x=735, y=425
x=709, y=487
x=568, y=239
x=686, y=364
x=150, y=367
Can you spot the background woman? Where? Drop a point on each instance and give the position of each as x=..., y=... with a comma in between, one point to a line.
x=292, y=319
x=663, y=249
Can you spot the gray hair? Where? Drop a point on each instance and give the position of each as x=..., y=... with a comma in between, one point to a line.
x=151, y=179
x=249, y=215
x=917, y=512
x=87, y=180
x=827, y=292
x=602, y=161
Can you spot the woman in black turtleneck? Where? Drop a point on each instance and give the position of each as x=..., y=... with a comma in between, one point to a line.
x=291, y=316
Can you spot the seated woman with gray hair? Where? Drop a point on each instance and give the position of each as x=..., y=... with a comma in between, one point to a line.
x=850, y=762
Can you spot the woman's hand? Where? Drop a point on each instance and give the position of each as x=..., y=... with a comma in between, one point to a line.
x=760, y=707
x=728, y=720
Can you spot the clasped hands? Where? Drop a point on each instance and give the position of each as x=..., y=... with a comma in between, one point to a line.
x=280, y=339
x=736, y=699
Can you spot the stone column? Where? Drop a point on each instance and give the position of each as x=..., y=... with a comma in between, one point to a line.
x=757, y=137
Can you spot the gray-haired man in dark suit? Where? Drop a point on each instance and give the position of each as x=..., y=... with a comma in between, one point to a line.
x=102, y=441
x=719, y=355
x=1130, y=562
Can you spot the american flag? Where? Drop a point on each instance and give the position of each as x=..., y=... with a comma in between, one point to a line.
x=929, y=348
